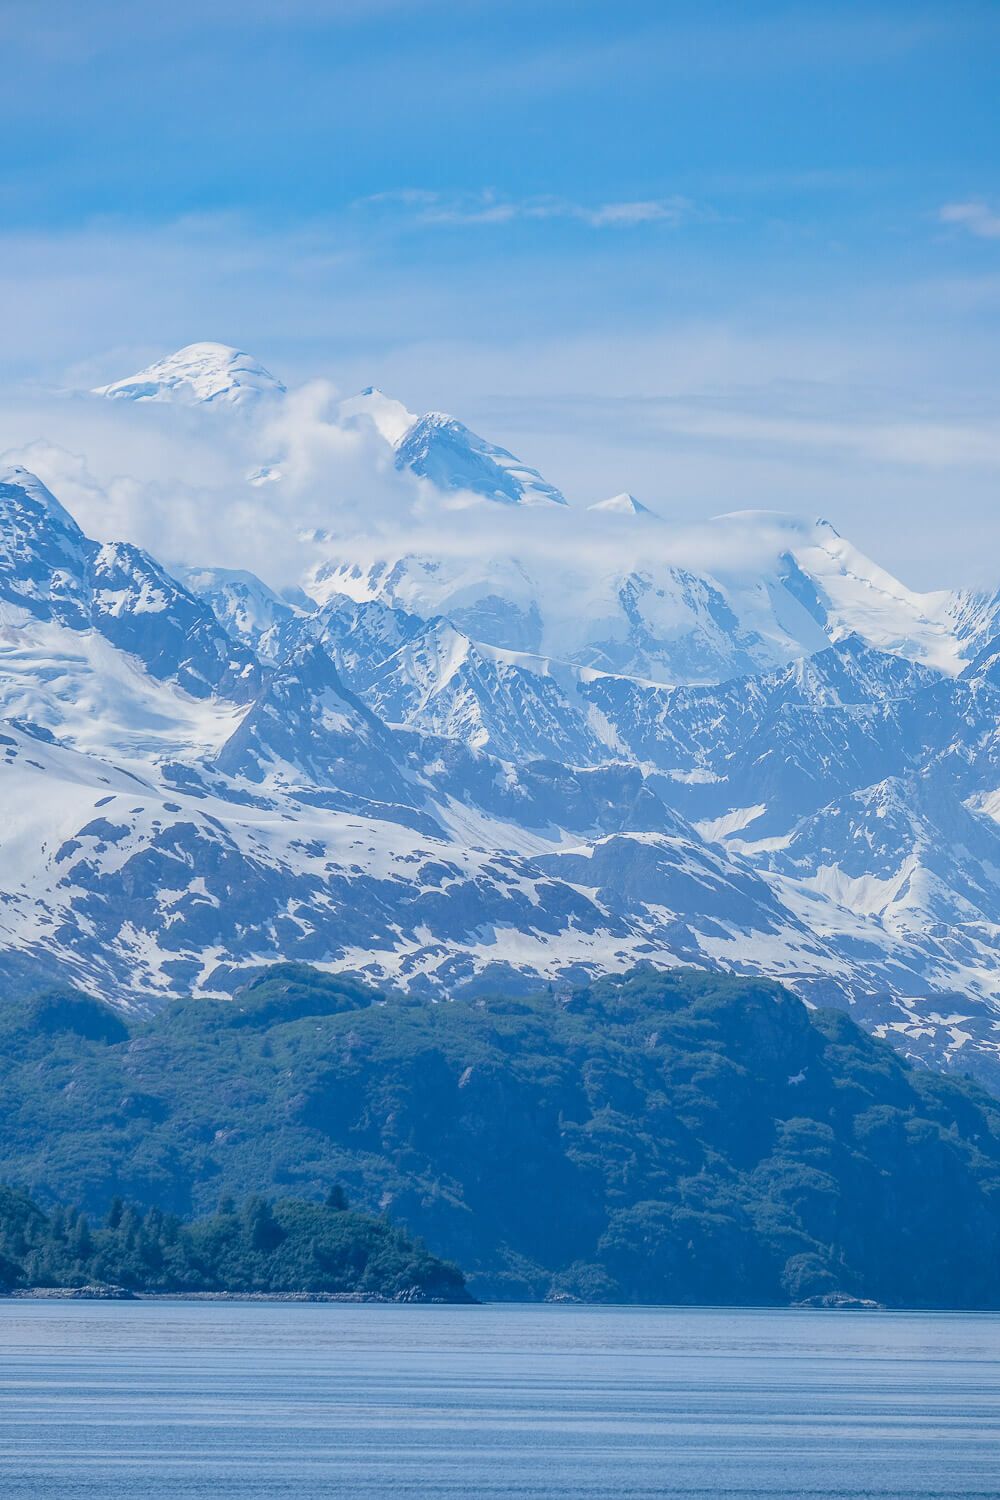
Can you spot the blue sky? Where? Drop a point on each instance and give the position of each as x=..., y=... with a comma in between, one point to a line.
x=724, y=255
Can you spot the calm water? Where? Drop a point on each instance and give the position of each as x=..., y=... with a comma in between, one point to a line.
x=179, y=1400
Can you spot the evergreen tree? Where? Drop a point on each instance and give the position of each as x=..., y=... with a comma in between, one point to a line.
x=82, y=1245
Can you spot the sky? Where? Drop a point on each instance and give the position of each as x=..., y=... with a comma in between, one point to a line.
x=725, y=256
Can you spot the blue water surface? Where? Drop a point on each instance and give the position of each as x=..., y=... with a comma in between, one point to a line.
x=207, y=1401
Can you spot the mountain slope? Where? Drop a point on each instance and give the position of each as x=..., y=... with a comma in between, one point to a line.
x=247, y=609
x=50, y=573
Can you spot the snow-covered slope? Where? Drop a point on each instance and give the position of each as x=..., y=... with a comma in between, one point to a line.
x=845, y=591
x=244, y=605
x=450, y=455
x=779, y=589
x=203, y=374
x=445, y=451
x=155, y=840
x=442, y=682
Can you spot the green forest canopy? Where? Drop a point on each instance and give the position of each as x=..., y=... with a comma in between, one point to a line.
x=667, y=1137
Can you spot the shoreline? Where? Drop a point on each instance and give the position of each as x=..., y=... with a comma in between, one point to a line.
x=374, y=1299
x=125, y=1294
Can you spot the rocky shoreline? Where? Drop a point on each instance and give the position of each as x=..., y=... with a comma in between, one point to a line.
x=124, y=1294
x=835, y=1301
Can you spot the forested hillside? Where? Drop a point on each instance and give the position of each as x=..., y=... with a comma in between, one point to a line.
x=288, y=1246
x=659, y=1136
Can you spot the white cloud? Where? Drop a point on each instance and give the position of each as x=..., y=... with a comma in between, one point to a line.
x=488, y=207
x=975, y=216
x=175, y=480
x=640, y=211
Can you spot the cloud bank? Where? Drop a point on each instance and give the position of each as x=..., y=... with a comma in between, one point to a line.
x=286, y=485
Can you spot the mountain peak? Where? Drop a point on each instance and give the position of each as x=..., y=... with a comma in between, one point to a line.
x=622, y=505
x=246, y=607
x=17, y=477
x=442, y=449
x=198, y=375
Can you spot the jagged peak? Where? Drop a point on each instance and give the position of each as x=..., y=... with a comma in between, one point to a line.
x=439, y=447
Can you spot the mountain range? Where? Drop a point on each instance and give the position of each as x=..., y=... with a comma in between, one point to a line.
x=456, y=768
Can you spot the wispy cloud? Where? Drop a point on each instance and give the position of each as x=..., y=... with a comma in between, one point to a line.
x=488, y=207
x=975, y=216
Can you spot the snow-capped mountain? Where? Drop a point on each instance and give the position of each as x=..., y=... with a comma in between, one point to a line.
x=249, y=610
x=645, y=615
x=446, y=771
x=445, y=451
x=582, y=585
x=202, y=374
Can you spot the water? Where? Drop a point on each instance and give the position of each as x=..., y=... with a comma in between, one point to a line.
x=207, y=1401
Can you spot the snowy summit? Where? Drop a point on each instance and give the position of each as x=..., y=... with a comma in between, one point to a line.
x=198, y=375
